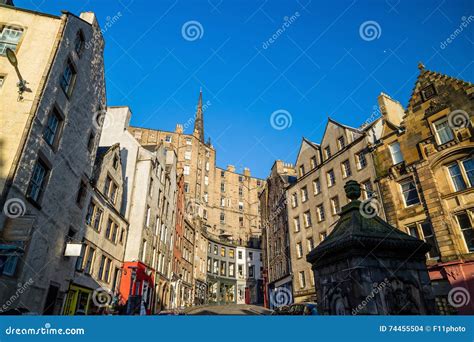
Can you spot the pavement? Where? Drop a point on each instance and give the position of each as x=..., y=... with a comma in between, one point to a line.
x=231, y=309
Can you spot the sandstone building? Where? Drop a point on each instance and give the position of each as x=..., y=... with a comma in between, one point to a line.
x=227, y=201
x=275, y=233
x=425, y=168
x=99, y=267
x=149, y=205
x=315, y=200
x=49, y=136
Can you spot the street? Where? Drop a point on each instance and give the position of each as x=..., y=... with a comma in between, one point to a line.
x=233, y=309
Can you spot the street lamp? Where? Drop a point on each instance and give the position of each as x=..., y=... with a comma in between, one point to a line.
x=11, y=56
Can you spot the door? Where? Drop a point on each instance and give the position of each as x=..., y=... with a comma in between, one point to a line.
x=51, y=298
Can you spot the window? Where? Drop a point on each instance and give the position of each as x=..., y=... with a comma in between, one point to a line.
x=187, y=155
x=103, y=260
x=304, y=194
x=51, y=131
x=90, y=142
x=81, y=194
x=38, y=181
x=231, y=253
x=444, y=133
x=222, y=217
x=320, y=212
x=294, y=200
x=88, y=268
x=424, y=231
x=240, y=270
x=186, y=187
x=322, y=236
x=361, y=160
x=462, y=174
x=215, y=249
x=206, y=180
x=223, y=268
x=327, y=152
x=251, y=255
x=150, y=187
x=301, y=170
x=316, y=186
x=307, y=219
x=222, y=251
x=231, y=269
x=186, y=170
x=2, y=80
x=310, y=243
x=241, y=206
x=79, y=43
x=313, y=162
x=143, y=255
x=241, y=221
x=222, y=201
x=94, y=216
x=222, y=173
x=251, y=271
x=410, y=193
x=331, y=178
x=241, y=191
x=296, y=222
x=222, y=187
x=302, y=280
x=465, y=224
x=68, y=78
x=396, y=153
x=189, y=141
x=168, y=138
x=341, y=142
x=367, y=189
x=148, y=216
x=335, y=205
x=239, y=254
x=241, y=179
x=115, y=162
x=216, y=266
x=206, y=197
x=9, y=38
x=346, y=169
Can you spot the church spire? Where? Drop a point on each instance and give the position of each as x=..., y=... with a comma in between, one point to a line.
x=199, y=120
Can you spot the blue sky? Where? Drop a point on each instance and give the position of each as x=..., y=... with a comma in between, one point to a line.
x=319, y=64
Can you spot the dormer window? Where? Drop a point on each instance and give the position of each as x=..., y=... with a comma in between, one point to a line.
x=301, y=170
x=327, y=152
x=444, y=133
x=341, y=142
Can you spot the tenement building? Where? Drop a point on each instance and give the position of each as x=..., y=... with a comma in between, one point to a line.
x=99, y=268
x=425, y=168
x=277, y=275
x=227, y=201
x=51, y=88
x=315, y=200
x=150, y=207
x=200, y=261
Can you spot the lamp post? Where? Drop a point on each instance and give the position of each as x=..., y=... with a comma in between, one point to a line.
x=11, y=56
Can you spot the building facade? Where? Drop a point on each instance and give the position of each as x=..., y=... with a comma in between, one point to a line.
x=314, y=201
x=49, y=136
x=150, y=207
x=96, y=282
x=277, y=275
x=200, y=261
x=425, y=168
x=226, y=200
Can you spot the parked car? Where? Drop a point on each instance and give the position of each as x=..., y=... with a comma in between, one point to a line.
x=303, y=309
x=281, y=310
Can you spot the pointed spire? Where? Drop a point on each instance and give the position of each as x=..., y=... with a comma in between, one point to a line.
x=421, y=66
x=199, y=120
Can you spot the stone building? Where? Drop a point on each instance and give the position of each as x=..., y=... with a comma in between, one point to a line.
x=277, y=273
x=425, y=168
x=150, y=207
x=99, y=268
x=221, y=271
x=49, y=135
x=177, y=264
x=314, y=201
x=188, y=262
x=227, y=201
x=200, y=260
